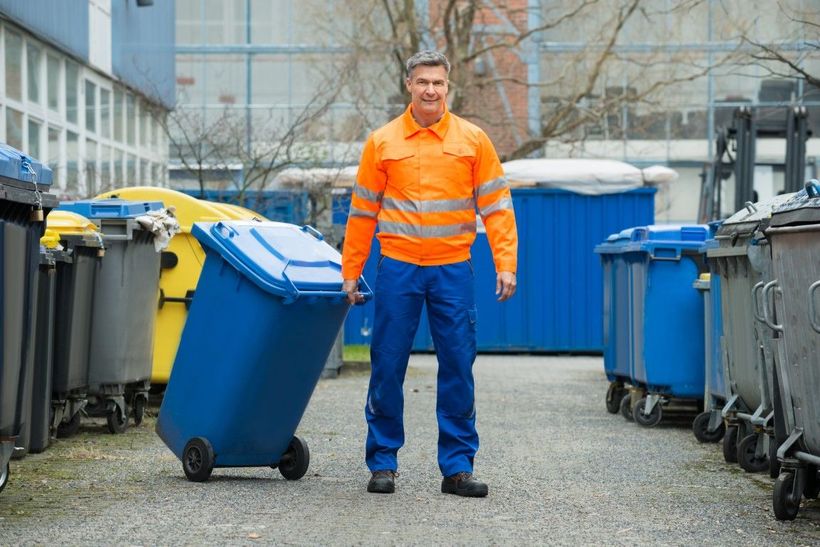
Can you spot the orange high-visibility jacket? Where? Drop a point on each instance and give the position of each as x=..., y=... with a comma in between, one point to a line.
x=422, y=186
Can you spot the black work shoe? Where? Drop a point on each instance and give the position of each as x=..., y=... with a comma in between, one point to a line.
x=463, y=484
x=382, y=482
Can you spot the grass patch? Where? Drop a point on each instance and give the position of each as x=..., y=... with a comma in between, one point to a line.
x=356, y=352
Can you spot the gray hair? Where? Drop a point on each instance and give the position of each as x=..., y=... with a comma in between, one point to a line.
x=427, y=58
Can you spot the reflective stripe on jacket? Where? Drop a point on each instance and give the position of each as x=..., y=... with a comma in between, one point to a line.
x=423, y=187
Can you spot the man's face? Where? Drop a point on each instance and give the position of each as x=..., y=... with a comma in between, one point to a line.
x=428, y=88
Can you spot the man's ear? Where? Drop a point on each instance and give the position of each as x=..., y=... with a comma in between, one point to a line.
x=407, y=84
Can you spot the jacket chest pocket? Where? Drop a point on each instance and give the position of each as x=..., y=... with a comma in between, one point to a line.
x=401, y=163
x=459, y=159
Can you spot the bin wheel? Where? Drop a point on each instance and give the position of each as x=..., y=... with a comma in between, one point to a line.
x=700, y=427
x=812, y=488
x=730, y=444
x=4, y=476
x=746, y=455
x=69, y=428
x=295, y=460
x=626, y=407
x=614, y=394
x=774, y=463
x=198, y=459
x=139, y=409
x=786, y=505
x=652, y=419
x=117, y=420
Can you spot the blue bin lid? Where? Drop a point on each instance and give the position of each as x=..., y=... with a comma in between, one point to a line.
x=110, y=208
x=283, y=259
x=649, y=238
x=17, y=166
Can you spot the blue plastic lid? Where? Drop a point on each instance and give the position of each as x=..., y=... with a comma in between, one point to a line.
x=109, y=208
x=283, y=259
x=17, y=166
x=649, y=238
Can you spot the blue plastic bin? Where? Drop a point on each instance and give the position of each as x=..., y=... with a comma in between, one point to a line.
x=267, y=310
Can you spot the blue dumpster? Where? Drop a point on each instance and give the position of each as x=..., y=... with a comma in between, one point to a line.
x=266, y=312
x=665, y=326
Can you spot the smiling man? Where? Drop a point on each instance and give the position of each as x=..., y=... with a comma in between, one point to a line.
x=421, y=178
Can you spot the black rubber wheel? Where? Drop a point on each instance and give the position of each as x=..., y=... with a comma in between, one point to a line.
x=730, y=444
x=4, y=476
x=69, y=428
x=139, y=409
x=812, y=488
x=626, y=407
x=653, y=419
x=785, y=504
x=198, y=459
x=700, y=427
x=614, y=394
x=295, y=461
x=746, y=455
x=117, y=420
x=774, y=463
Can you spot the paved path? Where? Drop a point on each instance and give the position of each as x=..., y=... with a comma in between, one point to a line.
x=561, y=471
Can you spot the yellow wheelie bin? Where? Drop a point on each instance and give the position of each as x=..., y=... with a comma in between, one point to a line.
x=181, y=265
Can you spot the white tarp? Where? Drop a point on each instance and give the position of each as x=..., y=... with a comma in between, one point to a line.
x=586, y=176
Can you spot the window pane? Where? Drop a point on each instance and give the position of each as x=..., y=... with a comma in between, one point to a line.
x=117, y=178
x=145, y=173
x=143, y=125
x=14, y=128
x=33, y=61
x=131, y=119
x=14, y=65
x=72, y=75
x=105, y=113
x=90, y=167
x=54, y=152
x=72, y=153
x=90, y=112
x=34, y=139
x=105, y=168
x=131, y=168
x=118, y=134
x=53, y=69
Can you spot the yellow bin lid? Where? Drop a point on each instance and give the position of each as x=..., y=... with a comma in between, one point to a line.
x=235, y=212
x=50, y=239
x=188, y=209
x=66, y=222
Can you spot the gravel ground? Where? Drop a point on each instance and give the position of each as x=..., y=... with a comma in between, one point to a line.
x=560, y=469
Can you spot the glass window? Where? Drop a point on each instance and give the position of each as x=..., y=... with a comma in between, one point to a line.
x=72, y=155
x=130, y=119
x=224, y=21
x=143, y=125
x=54, y=152
x=14, y=128
x=145, y=172
x=159, y=174
x=33, y=60
x=90, y=167
x=34, y=139
x=131, y=171
x=105, y=168
x=90, y=111
x=53, y=75
x=118, y=132
x=14, y=65
x=117, y=177
x=105, y=113
x=225, y=84
x=72, y=76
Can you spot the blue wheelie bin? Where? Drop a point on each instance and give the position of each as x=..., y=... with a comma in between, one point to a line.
x=266, y=312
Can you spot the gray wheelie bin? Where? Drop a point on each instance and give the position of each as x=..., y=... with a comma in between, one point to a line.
x=23, y=206
x=126, y=292
x=742, y=259
x=791, y=306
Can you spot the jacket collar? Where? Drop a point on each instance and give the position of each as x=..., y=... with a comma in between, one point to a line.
x=411, y=126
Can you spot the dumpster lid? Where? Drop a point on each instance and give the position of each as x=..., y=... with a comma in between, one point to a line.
x=752, y=217
x=110, y=208
x=648, y=238
x=802, y=207
x=283, y=259
x=188, y=209
x=20, y=168
x=73, y=228
x=236, y=212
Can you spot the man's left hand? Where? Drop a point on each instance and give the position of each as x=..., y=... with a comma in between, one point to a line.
x=505, y=285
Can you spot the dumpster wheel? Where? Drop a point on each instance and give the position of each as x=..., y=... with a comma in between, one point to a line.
x=747, y=455
x=730, y=444
x=139, y=409
x=295, y=461
x=198, y=459
x=69, y=428
x=614, y=395
x=784, y=501
x=700, y=427
x=626, y=406
x=117, y=420
x=4, y=477
x=650, y=420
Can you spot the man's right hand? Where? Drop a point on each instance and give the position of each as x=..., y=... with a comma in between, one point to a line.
x=351, y=287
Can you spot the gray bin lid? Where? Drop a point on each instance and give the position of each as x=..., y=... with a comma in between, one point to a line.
x=751, y=218
x=803, y=207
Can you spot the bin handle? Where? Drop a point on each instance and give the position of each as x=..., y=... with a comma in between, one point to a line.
x=676, y=258
x=313, y=231
x=750, y=207
x=755, y=293
x=812, y=308
x=813, y=188
x=367, y=293
x=767, y=316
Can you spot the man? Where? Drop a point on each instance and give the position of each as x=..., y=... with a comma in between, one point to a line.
x=421, y=178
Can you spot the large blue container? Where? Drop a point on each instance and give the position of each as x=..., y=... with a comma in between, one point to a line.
x=267, y=310
x=559, y=301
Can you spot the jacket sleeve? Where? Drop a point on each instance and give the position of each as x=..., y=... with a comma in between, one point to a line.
x=365, y=205
x=495, y=206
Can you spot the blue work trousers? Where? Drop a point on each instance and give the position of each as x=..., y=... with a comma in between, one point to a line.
x=401, y=290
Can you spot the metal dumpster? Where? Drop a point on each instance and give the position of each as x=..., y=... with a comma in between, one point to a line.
x=794, y=237
x=79, y=250
x=267, y=310
x=126, y=290
x=23, y=205
x=708, y=426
